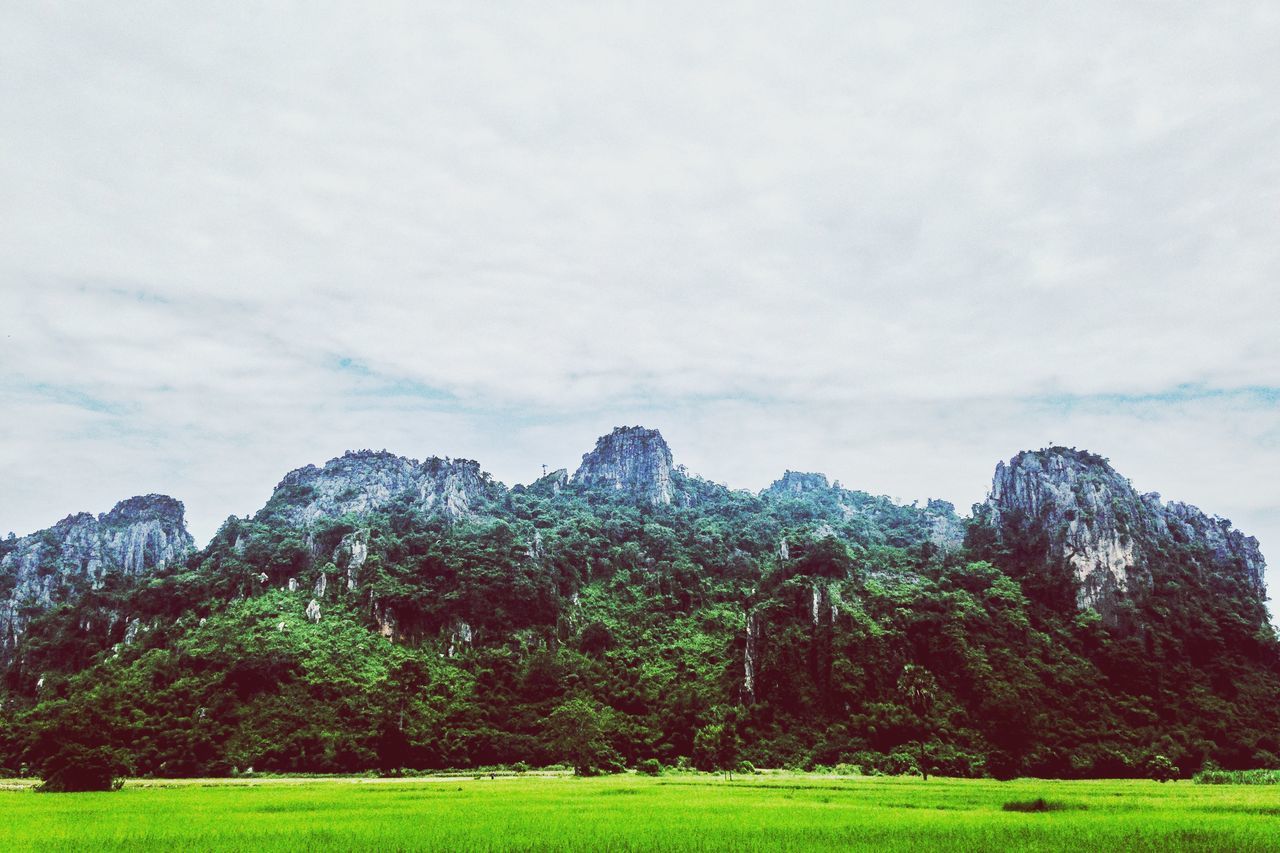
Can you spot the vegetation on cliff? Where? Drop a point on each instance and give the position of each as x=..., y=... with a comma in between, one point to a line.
x=430, y=618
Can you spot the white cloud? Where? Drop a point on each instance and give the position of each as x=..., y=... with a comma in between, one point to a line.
x=884, y=240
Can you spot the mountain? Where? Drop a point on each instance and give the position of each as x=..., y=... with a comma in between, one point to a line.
x=631, y=460
x=84, y=553
x=1114, y=541
x=367, y=481
x=382, y=612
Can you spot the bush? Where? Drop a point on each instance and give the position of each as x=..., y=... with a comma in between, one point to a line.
x=649, y=767
x=1160, y=768
x=746, y=768
x=1237, y=777
x=1040, y=804
x=82, y=768
x=520, y=767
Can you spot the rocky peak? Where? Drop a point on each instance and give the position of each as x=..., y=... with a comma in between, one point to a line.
x=551, y=483
x=1104, y=529
x=630, y=459
x=451, y=486
x=794, y=483
x=139, y=535
x=146, y=508
x=1228, y=547
x=1088, y=511
x=366, y=481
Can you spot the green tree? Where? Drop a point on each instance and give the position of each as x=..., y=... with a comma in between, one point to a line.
x=577, y=733
x=718, y=746
x=71, y=748
x=919, y=689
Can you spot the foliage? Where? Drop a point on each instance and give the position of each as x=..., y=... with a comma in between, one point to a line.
x=577, y=731
x=564, y=624
x=1160, y=768
x=1237, y=777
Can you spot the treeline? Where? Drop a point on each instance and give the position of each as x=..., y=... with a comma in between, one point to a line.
x=805, y=629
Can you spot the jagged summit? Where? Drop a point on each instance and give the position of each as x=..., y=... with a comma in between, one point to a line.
x=798, y=483
x=630, y=459
x=138, y=535
x=146, y=507
x=365, y=481
x=1093, y=519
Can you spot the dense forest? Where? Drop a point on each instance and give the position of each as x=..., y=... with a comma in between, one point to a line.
x=380, y=613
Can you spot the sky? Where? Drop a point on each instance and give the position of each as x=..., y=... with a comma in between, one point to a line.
x=892, y=242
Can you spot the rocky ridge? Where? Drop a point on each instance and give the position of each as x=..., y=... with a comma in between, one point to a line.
x=1109, y=534
x=633, y=460
x=139, y=535
x=366, y=481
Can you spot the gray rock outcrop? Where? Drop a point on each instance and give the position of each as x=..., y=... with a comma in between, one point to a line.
x=1111, y=536
x=797, y=483
x=366, y=481
x=633, y=460
x=80, y=552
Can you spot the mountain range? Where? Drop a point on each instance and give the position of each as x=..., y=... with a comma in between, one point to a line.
x=385, y=612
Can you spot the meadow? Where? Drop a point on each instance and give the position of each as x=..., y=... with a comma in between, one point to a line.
x=673, y=812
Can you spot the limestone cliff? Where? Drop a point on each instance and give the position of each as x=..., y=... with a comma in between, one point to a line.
x=1112, y=537
x=366, y=481
x=81, y=552
x=797, y=483
x=632, y=460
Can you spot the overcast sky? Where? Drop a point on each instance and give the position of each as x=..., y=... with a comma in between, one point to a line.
x=892, y=242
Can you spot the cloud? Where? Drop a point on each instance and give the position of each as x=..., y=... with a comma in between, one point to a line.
x=894, y=242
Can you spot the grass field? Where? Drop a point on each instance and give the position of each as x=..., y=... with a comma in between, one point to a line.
x=674, y=812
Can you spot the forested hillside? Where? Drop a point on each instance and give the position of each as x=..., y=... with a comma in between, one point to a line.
x=384, y=613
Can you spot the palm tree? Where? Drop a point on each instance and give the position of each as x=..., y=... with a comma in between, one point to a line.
x=919, y=688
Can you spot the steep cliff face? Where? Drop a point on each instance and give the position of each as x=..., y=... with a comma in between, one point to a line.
x=1111, y=536
x=81, y=552
x=366, y=481
x=633, y=460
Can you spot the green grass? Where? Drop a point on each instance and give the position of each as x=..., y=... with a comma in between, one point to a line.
x=673, y=812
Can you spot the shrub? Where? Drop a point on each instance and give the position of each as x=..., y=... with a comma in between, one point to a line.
x=649, y=767
x=1237, y=777
x=82, y=768
x=1160, y=768
x=746, y=768
x=1040, y=804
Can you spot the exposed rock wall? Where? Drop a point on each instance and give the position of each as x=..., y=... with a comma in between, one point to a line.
x=366, y=481
x=139, y=535
x=1108, y=533
x=634, y=460
x=796, y=483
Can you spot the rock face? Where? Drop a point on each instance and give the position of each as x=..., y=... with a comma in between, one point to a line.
x=366, y=481
x=80, y=552
x=633, y=460
x=1227, y=547
x=1109, y=534
x=796, y=483
x=946, y=530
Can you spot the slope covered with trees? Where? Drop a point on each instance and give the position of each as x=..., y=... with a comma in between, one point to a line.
x=384, y=613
